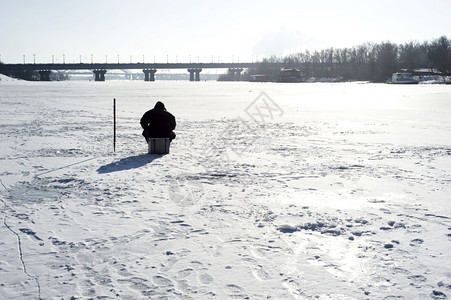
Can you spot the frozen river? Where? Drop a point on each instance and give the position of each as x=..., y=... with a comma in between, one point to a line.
x=270, y=191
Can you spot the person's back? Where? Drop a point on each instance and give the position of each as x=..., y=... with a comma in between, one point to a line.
x=158, y=123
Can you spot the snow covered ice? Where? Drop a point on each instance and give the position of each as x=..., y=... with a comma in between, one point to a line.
x=270, y=191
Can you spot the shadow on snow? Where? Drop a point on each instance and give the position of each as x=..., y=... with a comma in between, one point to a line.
x=128, y=163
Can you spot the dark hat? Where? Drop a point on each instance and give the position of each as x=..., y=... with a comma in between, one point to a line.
x=160, y=106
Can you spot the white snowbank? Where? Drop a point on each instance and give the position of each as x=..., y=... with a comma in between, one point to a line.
x=328, y=191
x=6, y=78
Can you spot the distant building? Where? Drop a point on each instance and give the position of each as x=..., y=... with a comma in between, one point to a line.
x=290, y=75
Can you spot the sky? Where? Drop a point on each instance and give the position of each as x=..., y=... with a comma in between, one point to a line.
x=172, y=31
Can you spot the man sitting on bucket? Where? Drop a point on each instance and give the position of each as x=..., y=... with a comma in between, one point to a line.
x=158, y=123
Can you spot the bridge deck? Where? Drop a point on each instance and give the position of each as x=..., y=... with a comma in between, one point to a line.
x=112, y=66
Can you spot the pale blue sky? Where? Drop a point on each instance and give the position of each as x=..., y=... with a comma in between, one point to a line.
x=174, y=30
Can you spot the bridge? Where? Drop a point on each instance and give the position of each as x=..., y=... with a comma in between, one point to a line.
x=149, y=69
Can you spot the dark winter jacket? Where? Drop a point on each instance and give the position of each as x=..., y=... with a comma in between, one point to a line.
x=158, y=123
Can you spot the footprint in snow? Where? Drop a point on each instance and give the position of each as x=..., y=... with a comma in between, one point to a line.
x=184, y=273
x=417, y=278
x=30, y=233
x=261, y=273
x=416, y=242
x=162, y=281
x=438, y=295
x=205, y=278
x=233, y=290
x=136, y=283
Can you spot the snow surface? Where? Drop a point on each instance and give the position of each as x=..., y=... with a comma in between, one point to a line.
x=6, y=78
x=270, y=191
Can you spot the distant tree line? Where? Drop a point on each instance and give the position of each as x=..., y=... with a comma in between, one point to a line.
x=368, y=62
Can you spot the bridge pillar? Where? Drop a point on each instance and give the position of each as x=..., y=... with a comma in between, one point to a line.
x=197, y=74
x=194, y=74
x=191, y=74
x=238, y=73
x=99, y=75
x=232, y=73
x=235, y=73
x=44, y=75
x=149, y=74
x=146, y=75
